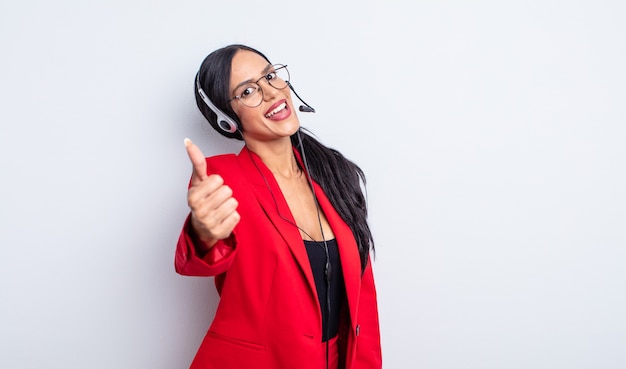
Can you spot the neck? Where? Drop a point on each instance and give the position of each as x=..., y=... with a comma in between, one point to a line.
x=278, y=157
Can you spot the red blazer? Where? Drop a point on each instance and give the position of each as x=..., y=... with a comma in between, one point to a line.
x=269, y=316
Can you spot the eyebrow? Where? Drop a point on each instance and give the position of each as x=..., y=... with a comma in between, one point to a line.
x=263, y=72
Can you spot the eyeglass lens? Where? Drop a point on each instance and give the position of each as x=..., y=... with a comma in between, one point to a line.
x=249, y=93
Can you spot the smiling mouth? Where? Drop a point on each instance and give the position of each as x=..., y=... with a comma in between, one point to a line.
x=276, y=110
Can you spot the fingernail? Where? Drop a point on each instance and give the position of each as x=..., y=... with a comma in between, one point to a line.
x=187, y=142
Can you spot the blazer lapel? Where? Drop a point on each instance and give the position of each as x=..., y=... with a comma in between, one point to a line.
x=271, y=199
x=348, y=252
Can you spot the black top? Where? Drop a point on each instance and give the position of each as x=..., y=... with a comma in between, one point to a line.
x=317, y=257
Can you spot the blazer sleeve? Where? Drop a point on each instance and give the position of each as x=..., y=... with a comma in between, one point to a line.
x=216, y=261
x=368, y=350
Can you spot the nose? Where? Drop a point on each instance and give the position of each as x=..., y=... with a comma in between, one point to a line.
x=269, y=91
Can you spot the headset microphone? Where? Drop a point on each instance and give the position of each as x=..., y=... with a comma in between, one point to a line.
x=306, y=108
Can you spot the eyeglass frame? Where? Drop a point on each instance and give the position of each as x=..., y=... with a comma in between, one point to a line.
x=281, y=66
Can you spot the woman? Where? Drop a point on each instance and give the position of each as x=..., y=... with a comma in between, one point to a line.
x=282, y=226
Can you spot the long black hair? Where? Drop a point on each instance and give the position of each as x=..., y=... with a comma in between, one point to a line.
x=341, y=181
x=339, y=178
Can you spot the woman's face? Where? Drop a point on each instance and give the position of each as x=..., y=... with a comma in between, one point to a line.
x=275, y=118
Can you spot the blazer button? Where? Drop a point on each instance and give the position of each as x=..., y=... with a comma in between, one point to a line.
x=358, y=329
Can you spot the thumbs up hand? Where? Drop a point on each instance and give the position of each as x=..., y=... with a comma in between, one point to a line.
x=213, y=209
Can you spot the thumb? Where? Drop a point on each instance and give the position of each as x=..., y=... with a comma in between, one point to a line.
x=197, y=160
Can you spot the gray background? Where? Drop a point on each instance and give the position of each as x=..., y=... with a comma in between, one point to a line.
x=492, y=134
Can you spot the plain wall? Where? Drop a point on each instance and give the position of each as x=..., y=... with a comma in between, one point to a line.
x=492, y=135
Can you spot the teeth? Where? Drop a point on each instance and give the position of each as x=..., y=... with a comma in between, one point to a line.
x=278, y=108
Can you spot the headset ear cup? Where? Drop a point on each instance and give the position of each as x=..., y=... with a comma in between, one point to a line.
x=227, y=125
x=224, y=122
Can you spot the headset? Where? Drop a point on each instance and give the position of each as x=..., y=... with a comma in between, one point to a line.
x=229, y=127
x=228, y=124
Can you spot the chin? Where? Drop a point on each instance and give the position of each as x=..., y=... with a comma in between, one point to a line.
x=290, y=127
